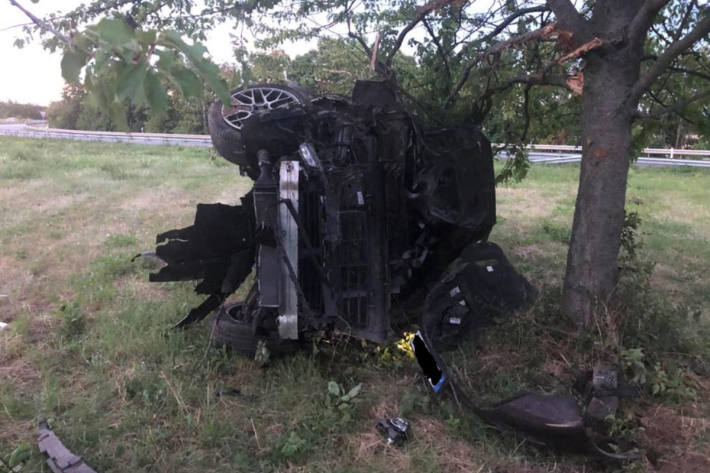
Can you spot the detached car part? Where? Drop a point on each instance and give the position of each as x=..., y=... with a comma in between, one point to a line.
x=395, y=430
x=357, y=206
x=59, y=458
x=554, y=420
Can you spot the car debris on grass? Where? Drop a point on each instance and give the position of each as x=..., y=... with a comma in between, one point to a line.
x=358, y=207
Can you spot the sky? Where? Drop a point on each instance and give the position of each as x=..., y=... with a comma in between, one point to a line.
x=33, y=75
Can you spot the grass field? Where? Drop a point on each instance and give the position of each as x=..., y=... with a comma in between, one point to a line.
x=89, y=345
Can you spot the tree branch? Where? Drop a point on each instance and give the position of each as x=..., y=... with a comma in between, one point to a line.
x=677, y=107
x=690, y=72
x=496, y=49
x=512, y=17
x=423, y=12
x=526, y=113
x=42, y=24
x=530, y=80
x=684, y=20
x=361, y=41
x=442, y=53
x=568, y=18
x=644, y=18
x=680, y=70
x=506, y=22
x=701, y=29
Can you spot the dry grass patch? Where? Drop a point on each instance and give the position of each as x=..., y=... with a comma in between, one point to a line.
x=522, y=202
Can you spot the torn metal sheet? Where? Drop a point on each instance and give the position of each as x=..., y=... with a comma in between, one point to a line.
x=59, y=458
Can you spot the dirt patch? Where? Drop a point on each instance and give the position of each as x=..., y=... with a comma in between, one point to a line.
x=529, y=251
x=15, y=276
x=38, y=328
x=671, y=440
x=30, y=188
x=18, y=372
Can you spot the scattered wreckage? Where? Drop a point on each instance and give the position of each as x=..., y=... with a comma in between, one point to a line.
x=358, y=211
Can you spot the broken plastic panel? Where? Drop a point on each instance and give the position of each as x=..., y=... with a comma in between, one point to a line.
x=433, y=372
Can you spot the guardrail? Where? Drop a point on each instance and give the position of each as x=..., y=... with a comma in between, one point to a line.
x=109, y=136
x=204, y=141
x=648, y=152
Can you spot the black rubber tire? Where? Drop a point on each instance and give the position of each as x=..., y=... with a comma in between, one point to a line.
x=228, y=141
x=230, y=331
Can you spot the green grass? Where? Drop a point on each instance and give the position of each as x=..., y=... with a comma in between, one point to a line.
x=90, y=345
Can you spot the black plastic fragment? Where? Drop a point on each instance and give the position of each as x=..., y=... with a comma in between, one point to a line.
x=218, y=250
x=201, y=311
x=395, y=430
x=434, y=371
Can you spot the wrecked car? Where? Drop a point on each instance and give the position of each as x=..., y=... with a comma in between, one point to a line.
x=358, y=211
x=362, y=218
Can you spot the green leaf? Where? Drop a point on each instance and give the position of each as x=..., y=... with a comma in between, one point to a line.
x=20, y=455
x=82, y=41
x=155, y=93
x=72, y=62
x=354, y=391
x=131, y=82
x=118, y=117
x=146, y=38
x=333, y=388
x=103, y=59
x=196, y=55
x=183, y=78
x=189, y=83
x=114, y=31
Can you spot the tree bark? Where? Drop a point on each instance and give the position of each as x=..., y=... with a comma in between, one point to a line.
x=592, y=261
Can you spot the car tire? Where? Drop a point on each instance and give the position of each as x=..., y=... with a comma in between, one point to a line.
x=228, y=139
x=231, y=331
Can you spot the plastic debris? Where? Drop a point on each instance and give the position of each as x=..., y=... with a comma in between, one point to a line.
x=395, y=430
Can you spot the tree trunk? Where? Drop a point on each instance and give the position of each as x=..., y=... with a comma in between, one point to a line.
x=592, y=261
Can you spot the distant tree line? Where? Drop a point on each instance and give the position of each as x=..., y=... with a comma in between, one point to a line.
x=28, y=111
x=78, y=111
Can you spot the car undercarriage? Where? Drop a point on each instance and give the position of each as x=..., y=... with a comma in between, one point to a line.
x=356, y=208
